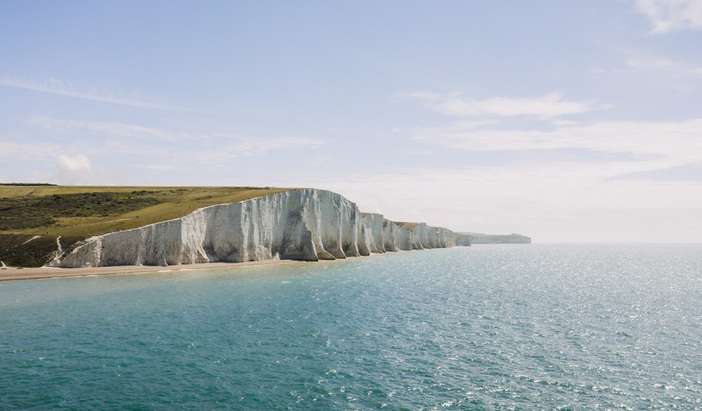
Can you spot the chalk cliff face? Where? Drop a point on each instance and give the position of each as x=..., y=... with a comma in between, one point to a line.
x=373, y=227
x=305, y=224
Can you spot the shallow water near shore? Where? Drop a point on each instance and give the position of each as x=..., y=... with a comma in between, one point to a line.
x=503, y=326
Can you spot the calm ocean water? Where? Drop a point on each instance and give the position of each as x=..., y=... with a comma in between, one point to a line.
x=487, y=327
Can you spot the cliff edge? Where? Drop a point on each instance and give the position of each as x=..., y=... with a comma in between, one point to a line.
x=303, y=224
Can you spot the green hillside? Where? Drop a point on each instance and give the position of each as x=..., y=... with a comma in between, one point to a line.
x=33, y=216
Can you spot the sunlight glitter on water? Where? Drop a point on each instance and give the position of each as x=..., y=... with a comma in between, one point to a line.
x=480, y=327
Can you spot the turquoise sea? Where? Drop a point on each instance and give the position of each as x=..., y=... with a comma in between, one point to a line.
x=486, y=327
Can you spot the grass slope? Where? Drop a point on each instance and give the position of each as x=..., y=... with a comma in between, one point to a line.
x=78, y=212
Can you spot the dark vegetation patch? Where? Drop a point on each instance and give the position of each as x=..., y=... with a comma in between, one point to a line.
x=16, y=251
x=30, y=211
x=27, y=184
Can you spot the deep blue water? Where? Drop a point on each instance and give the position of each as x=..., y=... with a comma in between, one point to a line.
x=487, y=327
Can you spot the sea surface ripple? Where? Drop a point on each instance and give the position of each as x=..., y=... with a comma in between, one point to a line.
x=486, y=327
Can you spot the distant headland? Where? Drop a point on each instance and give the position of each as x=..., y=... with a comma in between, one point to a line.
x=481, y=238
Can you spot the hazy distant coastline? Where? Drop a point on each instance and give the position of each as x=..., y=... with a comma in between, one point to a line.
x=481, y=238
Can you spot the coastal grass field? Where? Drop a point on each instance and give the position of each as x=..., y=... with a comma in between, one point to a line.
x=33, y=216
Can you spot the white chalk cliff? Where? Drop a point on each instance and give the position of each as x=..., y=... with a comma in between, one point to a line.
x=305, y=224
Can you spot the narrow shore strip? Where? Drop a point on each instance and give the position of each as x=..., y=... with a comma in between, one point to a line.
x=38, y=273
x=44, y=273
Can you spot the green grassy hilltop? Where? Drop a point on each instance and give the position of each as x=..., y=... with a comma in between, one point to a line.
x=33, y=216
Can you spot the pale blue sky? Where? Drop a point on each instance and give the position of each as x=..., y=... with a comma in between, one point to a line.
x=565, y=120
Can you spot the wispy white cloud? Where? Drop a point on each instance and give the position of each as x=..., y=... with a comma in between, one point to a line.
x=687, y=172
x=157, y=167
x=547, y=106
x=13, y=153
x=257, y=146
x=73, y=163
x=107, y=128
x=60, y=88
x=655, y=144
x=10, y=149
x=227, y=142
x=670, y=15
x=665, y=64
x=251, y=146
x=212, y=145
